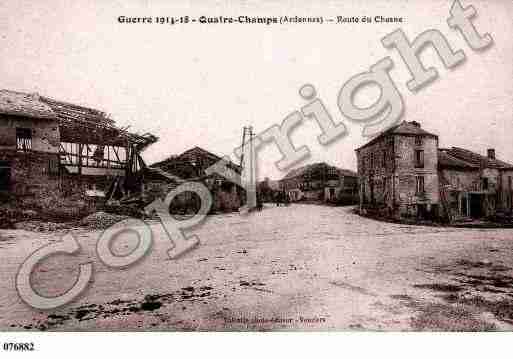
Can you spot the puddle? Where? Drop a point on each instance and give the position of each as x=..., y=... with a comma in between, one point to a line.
x=150, y=303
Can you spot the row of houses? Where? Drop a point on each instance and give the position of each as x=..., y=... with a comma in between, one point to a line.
x=321, y=182
x=403, y=173
x=58, y=157
x=65, y=159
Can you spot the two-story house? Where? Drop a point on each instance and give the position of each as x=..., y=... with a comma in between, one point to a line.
x=397, y=172
x=403, y=173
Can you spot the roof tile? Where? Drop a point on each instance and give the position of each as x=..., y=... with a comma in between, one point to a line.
x=23, y=104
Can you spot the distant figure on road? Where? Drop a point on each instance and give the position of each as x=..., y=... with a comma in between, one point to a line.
x=286, y=199
x=277, y=198
x=259, y=203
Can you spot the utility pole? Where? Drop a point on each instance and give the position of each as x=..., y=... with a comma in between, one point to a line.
x=247, y=163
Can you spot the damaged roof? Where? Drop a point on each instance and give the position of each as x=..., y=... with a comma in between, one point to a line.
x=23, y=104
x=77, y=123
x=192, y=163
x=99, y=128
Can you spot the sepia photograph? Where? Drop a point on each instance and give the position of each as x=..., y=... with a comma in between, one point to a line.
x=254, y=166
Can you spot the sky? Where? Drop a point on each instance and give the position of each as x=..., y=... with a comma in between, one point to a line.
x=199, y=84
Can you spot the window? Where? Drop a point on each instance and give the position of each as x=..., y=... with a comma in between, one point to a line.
x=484, y=184
x=384, y=158
x=419, y=158
x=420, y=185
x=23, y=139
x=5, y=175
x=510, y=199
x=53, y=166
x=418, y=140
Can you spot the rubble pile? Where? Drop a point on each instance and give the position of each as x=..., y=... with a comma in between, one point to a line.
x=7, y=220
x=10, y=215
x=101, y=220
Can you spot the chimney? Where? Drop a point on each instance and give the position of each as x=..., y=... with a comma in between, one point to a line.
x=491, y=153
x=415, y=123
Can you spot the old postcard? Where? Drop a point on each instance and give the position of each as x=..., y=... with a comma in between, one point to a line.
x=251, y=166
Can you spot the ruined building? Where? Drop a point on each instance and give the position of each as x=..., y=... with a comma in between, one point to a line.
x=57, y=158
x=403, y=173
x=191, y=166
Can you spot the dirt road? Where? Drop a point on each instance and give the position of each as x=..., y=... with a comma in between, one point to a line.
x=302, y=267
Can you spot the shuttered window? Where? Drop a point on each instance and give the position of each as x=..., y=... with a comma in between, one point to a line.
x=419, y=158
x=53, y=166
x=420, y=185
x=24, y=139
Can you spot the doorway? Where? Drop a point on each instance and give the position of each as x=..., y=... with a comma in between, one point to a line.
x=476, y=205
x=464, y=206
x=5, y=175
x=332, y=194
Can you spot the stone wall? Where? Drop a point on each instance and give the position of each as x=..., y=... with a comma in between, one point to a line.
x=34, y=186
x=506, y=195
x=376, y=168
x=461, y=182
x=45, y=133
x=388, y=175
x=226, y=200
x=496, y=198
x=406, y=173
